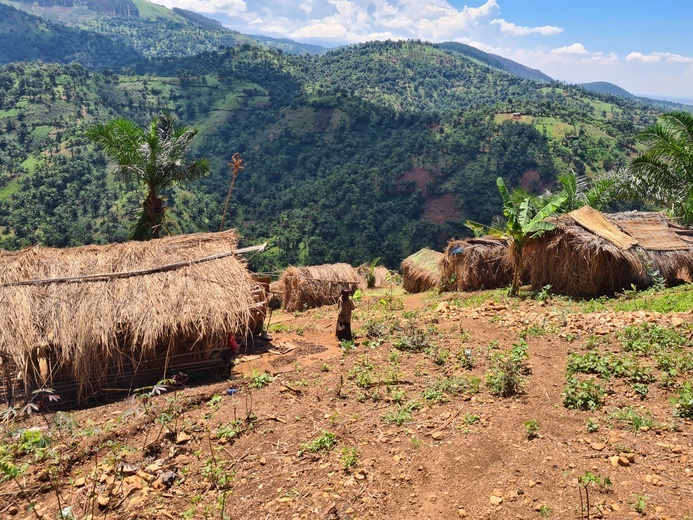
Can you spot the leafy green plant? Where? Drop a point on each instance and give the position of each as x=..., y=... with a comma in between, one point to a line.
x=370, y=273
x=439, y=355
x=525, y=221
x=506, y=376
x=584, y=482
x=402, y=413
x=260, y=380
x=592, y=426
x=412, y=340
x=349, y=457
x=466, y=358
x=155, y=157
x=646, y=338
x=640, y=503
x=347, y=346
x=632, y=418
x=230, y=430
x=545, y=511
x=325, y=442
x=532, y=429
x=583, y=395
x=683, y=401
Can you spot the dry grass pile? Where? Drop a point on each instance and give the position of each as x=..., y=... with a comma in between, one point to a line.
x=68, y=322
x=477, y=263
x=315, y=286
x=576, y=262
x=422, y=271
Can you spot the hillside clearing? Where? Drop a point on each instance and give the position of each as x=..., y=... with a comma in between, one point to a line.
x=409, y=423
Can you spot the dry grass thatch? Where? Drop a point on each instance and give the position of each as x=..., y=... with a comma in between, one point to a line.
x=577, y=262
x=82, y=334
x=477, y=263
x=422, y=271
x=309, y=287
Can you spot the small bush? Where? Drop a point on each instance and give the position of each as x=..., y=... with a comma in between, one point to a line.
x=532, y=428
x=323, y=443
x=683, y=401
x=583, y=395
x=259, y=380
x=506, y=377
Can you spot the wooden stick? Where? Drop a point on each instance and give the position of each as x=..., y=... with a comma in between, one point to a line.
x=128, y=274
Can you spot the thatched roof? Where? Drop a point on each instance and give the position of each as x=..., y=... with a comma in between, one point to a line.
x=578, y=260
x=309, y=287
x=474, y=264
x=421, y=271
x=82, y=315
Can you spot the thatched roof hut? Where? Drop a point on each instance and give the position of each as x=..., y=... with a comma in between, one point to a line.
x=421, y=271
x=474, y=264
x=309, y=287
x=84, y=318
x=591, y=254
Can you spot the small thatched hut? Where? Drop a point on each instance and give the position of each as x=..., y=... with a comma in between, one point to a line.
x=474, y=264
x=422, y=271
x=88, y=318
x=309, y=287
x=591, y=254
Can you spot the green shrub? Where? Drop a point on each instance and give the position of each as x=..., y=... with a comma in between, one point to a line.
x=583, y=395
x=325, y=442
x=683, y=401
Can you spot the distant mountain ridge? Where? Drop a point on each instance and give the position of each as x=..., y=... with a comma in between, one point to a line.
x=108, y=7
x=604, y=87
x=498, y=62
x=24, y=37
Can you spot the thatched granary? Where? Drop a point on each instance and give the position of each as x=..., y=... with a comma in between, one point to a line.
x=474, y=264
x=86, y=318
x=422, y=271
x=590, y=254
x=308, y=287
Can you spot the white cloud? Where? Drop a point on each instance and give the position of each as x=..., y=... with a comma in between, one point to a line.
x=517, y=30
x=570, y=50
x=323, y=31
x=657, y=57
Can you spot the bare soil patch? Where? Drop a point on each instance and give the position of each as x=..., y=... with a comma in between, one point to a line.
x=402, y=426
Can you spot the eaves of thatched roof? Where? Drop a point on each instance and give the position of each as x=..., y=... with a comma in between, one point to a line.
x=89, y=311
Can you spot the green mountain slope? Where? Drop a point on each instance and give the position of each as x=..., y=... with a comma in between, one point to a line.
x=25, y=37
x=604, y=87
x=372, y=150
x=496, y=61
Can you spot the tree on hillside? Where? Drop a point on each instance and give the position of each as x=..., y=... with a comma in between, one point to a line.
x=154, y=156
x=525, y=221
x=664, y=173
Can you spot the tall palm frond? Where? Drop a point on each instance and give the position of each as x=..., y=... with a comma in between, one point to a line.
x=664, y=173
x=155, y=157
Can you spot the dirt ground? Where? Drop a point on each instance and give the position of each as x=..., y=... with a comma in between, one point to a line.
x=406, y=425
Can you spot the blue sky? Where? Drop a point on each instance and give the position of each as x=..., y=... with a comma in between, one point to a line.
x=643, y=46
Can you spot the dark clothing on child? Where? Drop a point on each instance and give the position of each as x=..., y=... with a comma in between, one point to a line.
x=343, y=331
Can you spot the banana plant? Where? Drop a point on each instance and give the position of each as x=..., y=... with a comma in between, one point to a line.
x=525, y=222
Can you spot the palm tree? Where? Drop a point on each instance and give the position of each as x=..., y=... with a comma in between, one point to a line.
x=155, y=157
x=525, y=221
x=664, y=173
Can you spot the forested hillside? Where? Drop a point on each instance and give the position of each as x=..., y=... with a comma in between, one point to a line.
x=373, y=150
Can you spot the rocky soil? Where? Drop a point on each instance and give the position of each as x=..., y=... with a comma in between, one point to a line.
x=454, y=407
